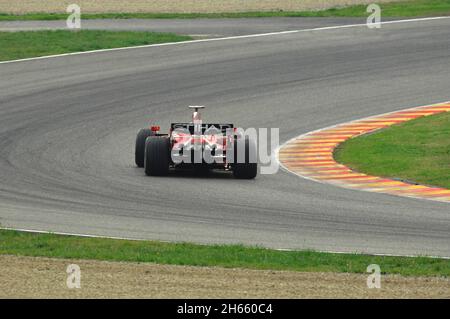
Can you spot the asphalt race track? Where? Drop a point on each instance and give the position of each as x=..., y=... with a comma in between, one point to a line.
x=68, y=124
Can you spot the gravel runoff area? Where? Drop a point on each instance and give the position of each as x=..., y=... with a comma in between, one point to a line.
x=31, y=277
x=174, y=6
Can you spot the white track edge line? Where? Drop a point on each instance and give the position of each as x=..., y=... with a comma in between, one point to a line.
x=170, y=242
x=223, y=39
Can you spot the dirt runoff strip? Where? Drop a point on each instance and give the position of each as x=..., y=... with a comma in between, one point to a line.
x=31, y=277
x=173, y=6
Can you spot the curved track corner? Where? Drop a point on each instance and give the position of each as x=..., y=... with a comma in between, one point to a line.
x=311, y=156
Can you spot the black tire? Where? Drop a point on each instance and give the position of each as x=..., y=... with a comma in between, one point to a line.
x=246, y=170
x=157, y=156
x=139, y=151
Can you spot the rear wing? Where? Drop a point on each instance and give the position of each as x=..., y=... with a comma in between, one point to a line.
x=190, y=126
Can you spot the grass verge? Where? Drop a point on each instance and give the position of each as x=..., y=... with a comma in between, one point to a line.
x=412, y=8
x=229, y=256
x=417, y=150
x=27, y=44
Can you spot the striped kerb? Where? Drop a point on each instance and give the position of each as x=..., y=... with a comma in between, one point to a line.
x=311, y=156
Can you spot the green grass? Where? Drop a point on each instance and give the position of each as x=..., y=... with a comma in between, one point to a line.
x=230, y=256
x=418, y=150
x=26, y=44
x=412, y=8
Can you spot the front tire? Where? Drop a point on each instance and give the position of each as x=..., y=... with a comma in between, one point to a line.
x=139, y=151
x=157, y=156
x=248, y=169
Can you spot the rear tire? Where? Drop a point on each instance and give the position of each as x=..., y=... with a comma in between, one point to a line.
x=246, y=170
x=157, y=156
x=139, y=151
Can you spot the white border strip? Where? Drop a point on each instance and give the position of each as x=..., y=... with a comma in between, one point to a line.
x=223, y=39
x=170, y=242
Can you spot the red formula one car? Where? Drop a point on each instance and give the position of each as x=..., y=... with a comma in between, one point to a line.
x=196, y=145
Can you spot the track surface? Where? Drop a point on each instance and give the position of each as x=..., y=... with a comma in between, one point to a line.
x=67, y=129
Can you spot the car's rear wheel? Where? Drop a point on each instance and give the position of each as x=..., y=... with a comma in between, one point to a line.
x=139, y=151
x=248, y=169
x=157, y=156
